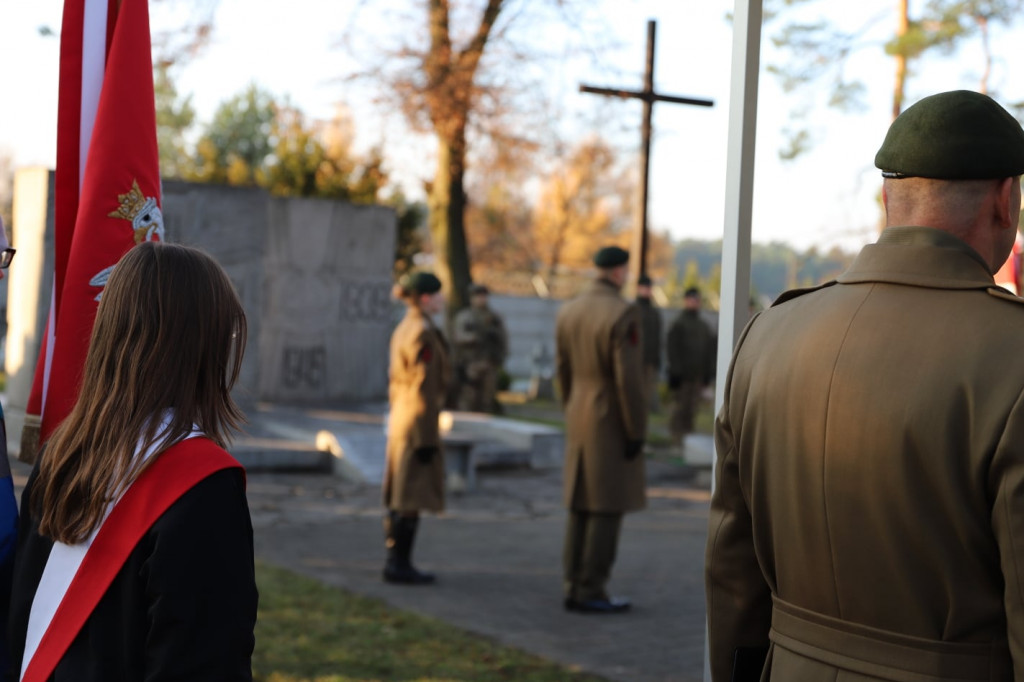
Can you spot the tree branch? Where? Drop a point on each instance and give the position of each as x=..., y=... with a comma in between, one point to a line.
x=470, y=56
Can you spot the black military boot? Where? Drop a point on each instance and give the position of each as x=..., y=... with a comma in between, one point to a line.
x=401, y=532
x=391, y=564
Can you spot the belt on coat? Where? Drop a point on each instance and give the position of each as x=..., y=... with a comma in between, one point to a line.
x=883, y=654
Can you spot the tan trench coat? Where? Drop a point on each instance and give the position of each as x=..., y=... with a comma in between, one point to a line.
x=599, y=362
x=417, y=376
x=868, y=514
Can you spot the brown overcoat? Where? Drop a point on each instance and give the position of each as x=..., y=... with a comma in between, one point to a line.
x=417, y=375
x=868, y=513
x=599, y=362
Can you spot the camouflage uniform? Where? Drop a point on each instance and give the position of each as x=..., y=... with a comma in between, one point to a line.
x=481, y=346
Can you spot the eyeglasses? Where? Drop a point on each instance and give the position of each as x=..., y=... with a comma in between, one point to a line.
x=6, y=256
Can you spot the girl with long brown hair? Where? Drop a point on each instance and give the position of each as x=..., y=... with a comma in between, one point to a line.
x=152, y=418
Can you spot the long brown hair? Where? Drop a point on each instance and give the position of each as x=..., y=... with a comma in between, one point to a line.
x=169, y=335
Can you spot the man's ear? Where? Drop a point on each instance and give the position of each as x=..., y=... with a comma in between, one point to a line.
x=1002, y=207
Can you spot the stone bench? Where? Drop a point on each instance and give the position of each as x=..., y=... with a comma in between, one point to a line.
x=279, y=454
x=460, y=462
x=501, y=441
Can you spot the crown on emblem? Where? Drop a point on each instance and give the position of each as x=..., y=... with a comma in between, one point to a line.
x=130, y=204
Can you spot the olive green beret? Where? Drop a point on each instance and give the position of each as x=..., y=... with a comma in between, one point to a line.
x=958, y=135
x=610, y=257
x=475, y=289
x=421, y=283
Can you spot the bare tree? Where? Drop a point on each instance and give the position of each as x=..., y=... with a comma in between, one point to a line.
x=436, y=72
x=189, y=28
x=584, y=202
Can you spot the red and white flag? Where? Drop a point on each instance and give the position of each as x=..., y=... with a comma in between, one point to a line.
x=107, y=187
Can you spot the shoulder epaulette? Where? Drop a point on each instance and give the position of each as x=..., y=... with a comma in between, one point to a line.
x=1002, y=293
x=794, y=293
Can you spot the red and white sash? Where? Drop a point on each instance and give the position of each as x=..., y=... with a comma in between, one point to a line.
x=85, y=571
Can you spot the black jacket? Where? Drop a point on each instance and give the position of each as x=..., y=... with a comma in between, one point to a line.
x=182, y=607
x=692, y=348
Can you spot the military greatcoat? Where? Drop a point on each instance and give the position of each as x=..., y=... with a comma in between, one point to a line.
x=599, y=364
x=417, y=376
x=868, y=514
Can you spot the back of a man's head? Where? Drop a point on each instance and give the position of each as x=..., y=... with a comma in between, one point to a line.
x=943, y=158
x=951, y=205
x=957, y=135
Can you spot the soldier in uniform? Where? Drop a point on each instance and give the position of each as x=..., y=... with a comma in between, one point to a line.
x=599, y=364
x=652, y=340
x=691, y=351
x=414, y=473
x=868, y=515
x=481, y=345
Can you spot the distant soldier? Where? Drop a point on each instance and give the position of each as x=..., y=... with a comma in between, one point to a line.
x=414, y=469
x=599, y=364
x=652, y=340
x=691, y=351
x=481, y=345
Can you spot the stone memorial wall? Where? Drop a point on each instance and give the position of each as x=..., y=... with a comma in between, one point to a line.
x=314, y=277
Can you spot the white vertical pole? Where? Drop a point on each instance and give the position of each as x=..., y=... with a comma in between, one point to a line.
x=739, y=193
x=739, y=183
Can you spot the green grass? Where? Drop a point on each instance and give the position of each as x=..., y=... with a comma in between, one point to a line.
x=309, y=632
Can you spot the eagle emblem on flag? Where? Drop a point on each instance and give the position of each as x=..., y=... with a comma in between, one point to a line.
x=147, y=225
x=142, y=212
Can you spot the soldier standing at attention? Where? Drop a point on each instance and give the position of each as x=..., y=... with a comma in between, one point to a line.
x=414, y=473
x=652, y=341
x=481, y=345
x=599, y=364
x=868, y=515
x=691, y=351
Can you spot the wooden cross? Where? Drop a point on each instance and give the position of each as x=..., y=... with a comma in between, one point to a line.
x=649, y=97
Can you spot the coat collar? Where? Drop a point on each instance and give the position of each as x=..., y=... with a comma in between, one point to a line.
x=416, y=313
x=920, y=256
x=603, y=286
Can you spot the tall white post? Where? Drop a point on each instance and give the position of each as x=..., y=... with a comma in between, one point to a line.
x=739, y=195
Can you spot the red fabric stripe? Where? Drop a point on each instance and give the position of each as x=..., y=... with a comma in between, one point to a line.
x=113, y=8
x=171, y=475
x=122, y=151
x=69, y=115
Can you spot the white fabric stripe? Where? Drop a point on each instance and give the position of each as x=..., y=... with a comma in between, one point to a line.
x=94, y=56
x=61, y=567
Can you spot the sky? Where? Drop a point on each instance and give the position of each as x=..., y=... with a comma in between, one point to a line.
x=824, y=198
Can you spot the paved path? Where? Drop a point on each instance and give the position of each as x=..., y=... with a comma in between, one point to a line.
x=497, y=553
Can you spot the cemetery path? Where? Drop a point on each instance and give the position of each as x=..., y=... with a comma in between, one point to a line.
x=497, y=554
